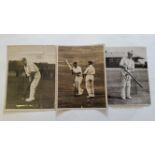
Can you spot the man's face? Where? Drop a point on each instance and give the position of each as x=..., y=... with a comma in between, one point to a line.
x=75, y=65
x=130, y=55
x=24, y=62
x=90, y=63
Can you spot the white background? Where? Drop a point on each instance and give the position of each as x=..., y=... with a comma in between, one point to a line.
x=112, y=112
x=87, y=17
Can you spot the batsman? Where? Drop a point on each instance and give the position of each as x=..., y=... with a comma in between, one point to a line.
x=90, y=73
x=33, y=73
x=77, y=72
x=127, y=67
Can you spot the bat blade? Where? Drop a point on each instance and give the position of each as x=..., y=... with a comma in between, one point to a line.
x=137, y=82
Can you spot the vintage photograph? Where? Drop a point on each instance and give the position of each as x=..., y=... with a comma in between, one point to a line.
x=127, y=75
x=81, y=77
x=31, y=77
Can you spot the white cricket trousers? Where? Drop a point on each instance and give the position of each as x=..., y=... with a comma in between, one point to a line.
x=34, y=85
x=78, y=81
x=126, y=86
x=90, y=85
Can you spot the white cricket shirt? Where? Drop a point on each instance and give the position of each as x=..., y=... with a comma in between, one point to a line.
x=77, y=70
x=30, y=68
x=128, y=64
x=90, y=70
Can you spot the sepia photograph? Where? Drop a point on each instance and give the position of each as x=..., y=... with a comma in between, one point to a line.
x=81, y=77
x=31, y=77
x=127, y=75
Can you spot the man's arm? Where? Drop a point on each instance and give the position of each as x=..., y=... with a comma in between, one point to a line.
x=79, y=72
x=121, y=64
x=93, y=71
x=132, y=67
x=69, y=65
x=86, y=70
x=30, y=71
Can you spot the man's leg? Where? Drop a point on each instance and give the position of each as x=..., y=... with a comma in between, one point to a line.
x=129, y=89
x=80, y=90
x=76, y=87
x=123, y=89
x=33, y=87
x=33, y=90
x=92, y=88
x=88, y=87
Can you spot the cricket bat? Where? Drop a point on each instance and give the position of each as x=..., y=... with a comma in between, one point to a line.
x=137, y=82
x=27, y=89
x=68, y=64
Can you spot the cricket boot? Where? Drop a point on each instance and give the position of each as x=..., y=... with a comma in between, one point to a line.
x=30, y=99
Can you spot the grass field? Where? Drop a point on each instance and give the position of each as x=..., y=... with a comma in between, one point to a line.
x=82, y=55
x=45, y=94
x=139, y=95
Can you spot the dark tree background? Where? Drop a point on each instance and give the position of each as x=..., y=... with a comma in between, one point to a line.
x=46, y=69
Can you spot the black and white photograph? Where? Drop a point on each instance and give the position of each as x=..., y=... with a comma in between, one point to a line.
x=81, y=77
x=31, y=77
x=127, y=75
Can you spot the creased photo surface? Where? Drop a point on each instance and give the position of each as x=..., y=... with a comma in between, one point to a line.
x=81, y=77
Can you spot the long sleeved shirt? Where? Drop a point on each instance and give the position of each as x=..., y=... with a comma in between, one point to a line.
x=90, y=70
x=128, y=64
x=77, y=70
x=30, y=68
